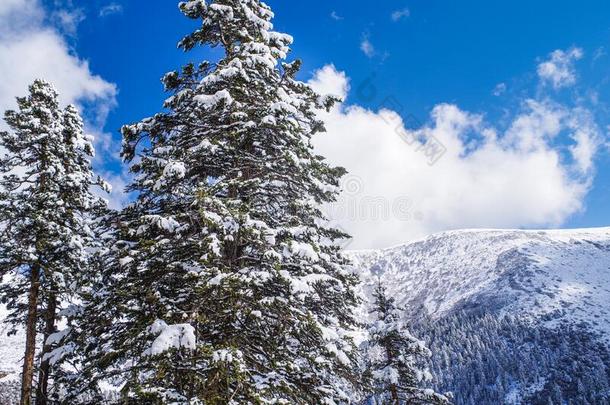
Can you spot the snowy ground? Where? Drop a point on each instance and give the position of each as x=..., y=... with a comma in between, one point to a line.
x=11, y=348
x=11, y=355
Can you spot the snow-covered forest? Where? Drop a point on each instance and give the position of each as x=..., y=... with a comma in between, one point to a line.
x=224, y=282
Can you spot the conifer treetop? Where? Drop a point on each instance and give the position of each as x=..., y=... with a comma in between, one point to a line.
x=394, y=356
x=45, y=185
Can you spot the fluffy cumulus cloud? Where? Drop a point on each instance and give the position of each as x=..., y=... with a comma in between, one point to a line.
x=30, y=49
x=32, y=46
x=558, y=70
x=455, y=170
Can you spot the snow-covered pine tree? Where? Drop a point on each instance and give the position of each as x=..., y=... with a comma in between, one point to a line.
x=45, y=211
x=230, y=289
x=393, y=356
x=76, y=376
x=83, y=213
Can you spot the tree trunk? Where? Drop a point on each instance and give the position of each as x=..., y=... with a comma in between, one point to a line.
x=394, y=393
x=45, y=366
x=30, y=339
x=393, y=387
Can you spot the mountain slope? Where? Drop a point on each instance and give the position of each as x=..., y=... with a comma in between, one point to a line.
x=512, y=316
x=565, y=273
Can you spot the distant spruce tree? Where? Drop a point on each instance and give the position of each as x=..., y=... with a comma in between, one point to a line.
x=46, y=212
x=394, y=355
x=229, y=289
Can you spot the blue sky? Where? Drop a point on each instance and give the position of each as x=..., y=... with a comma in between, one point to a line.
x=481, y=57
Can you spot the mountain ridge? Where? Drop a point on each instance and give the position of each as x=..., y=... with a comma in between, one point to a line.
x=531, y=265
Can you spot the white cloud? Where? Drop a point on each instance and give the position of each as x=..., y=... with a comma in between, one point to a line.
x=518, y=177
x=559, y=69
x=400, y=14
x=19, y=15
x=366, y=46
x=44, y=54
x=30, y=49
x=10, y=6
x=587, y=137
x=112, y=8
x=35, y=50
x=330, y=81
x=499, y=89
x=335, y=16
x=69, y=20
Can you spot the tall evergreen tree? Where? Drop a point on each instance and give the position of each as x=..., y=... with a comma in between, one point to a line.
x=84, y=213
x=229, y=288
x=45, y=211
x=394, y=356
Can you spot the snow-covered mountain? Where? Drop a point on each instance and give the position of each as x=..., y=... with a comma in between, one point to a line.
x=564, y=273
x=512, y=316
